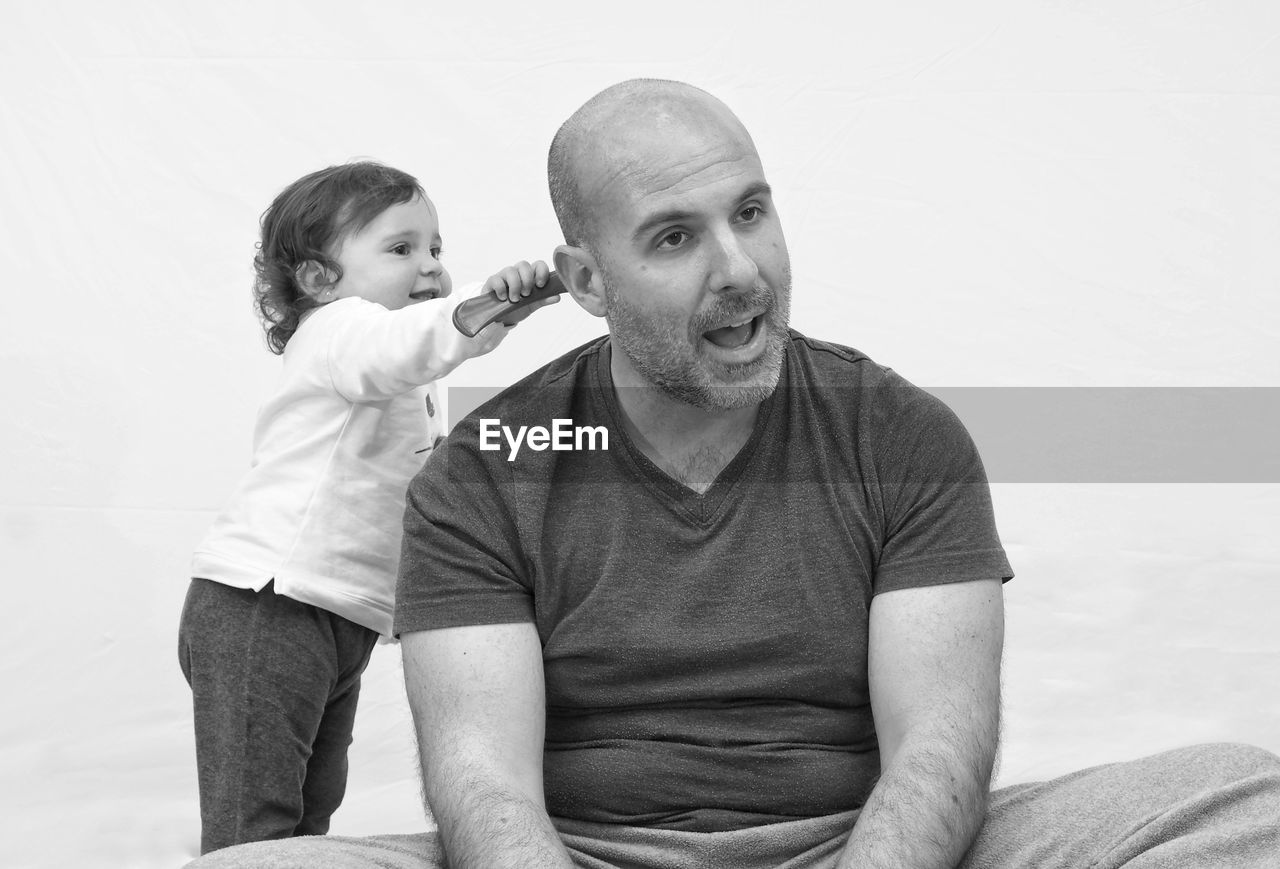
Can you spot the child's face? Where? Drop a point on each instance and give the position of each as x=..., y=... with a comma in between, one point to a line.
x=394, y=259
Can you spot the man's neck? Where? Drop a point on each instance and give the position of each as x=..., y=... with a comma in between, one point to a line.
x=688, y=443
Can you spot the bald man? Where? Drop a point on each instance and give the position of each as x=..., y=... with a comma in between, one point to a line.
x=756, y=619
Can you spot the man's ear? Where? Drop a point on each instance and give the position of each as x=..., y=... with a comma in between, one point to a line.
x=315, y=280
x=580, y=273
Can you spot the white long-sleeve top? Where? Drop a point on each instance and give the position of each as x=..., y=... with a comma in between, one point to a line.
x=353, y=418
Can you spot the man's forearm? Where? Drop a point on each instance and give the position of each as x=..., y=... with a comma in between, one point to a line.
x=929, y=803
x=476, y=692
x=483, y=826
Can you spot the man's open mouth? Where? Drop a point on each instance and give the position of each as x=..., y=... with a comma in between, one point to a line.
x=736, y=334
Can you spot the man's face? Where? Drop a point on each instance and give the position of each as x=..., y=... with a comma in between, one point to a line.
x=694, y=264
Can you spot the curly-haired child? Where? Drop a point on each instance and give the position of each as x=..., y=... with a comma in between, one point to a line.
x=295, y=580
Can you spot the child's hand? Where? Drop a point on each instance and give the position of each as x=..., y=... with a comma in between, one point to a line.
x=491, y=336
x=515, y=282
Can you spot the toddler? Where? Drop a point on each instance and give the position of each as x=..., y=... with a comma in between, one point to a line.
x=295, y=580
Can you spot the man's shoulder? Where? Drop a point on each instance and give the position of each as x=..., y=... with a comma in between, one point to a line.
x=827, y=363
x=541, y=395
x=837, y=374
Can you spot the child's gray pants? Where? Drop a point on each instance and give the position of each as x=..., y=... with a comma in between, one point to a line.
x=274, y=684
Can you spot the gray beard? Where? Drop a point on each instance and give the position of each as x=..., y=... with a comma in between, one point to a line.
x=664, y=357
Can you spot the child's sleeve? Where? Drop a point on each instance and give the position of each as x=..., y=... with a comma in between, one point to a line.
x=373, y=353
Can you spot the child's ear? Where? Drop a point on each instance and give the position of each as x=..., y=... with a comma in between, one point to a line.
x=316, y=280
x=581, y=276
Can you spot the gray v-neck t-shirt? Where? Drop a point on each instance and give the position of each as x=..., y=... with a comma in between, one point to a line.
x=705, y=655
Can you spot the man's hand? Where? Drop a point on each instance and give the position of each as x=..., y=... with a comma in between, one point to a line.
x=477, y=698
x=934, y=670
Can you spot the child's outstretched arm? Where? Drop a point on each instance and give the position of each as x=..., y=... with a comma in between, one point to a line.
x=373, y=353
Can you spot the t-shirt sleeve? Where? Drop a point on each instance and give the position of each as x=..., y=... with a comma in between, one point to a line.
x=939, y=524
x=461, y=561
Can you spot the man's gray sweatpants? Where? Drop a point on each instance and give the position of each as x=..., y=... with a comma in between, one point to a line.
x=1204, y=807
x=274, y=686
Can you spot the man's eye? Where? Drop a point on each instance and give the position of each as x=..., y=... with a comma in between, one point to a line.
x=400, y=249
x=751, y=213
x=675, y=238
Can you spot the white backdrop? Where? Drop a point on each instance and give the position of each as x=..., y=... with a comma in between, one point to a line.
x=977, y=194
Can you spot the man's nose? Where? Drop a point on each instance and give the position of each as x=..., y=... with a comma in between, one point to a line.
x=732, y=267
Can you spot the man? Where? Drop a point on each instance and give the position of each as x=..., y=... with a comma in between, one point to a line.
x=763, y=627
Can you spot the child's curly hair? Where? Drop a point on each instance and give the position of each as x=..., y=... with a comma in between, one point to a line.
x=304, y=223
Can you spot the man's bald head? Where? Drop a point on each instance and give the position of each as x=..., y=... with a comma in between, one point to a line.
x=593, y=142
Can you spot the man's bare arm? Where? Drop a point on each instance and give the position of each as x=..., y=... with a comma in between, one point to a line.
x=934, y=669
x=476, y=693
